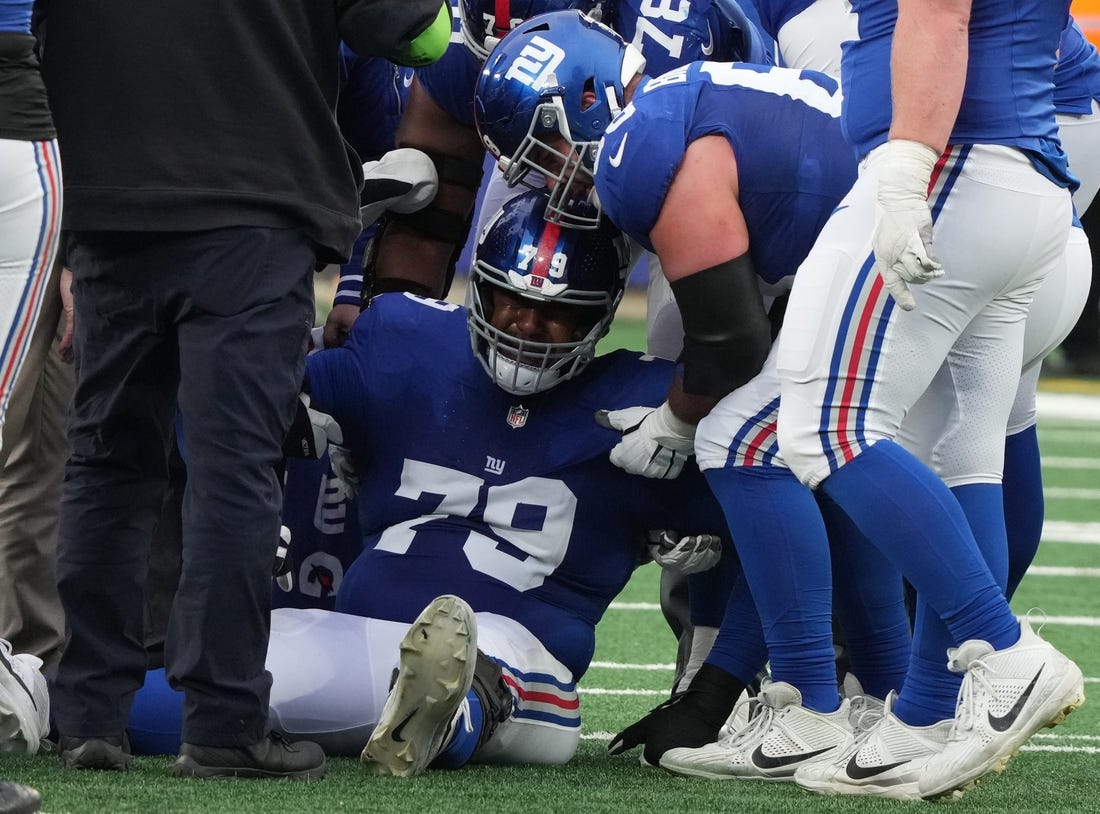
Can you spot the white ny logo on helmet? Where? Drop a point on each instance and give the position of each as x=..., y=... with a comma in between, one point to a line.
x=536, y=63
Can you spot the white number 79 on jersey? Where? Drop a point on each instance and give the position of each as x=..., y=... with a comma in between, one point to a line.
x=540, y=528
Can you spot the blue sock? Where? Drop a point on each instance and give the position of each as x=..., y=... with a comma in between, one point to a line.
x=983, y=505
x=461, y=748
x=913, y=519
x=869, y=605
x=1023, y=503
x=739, y=648
x=709, y=591
x=930, y=690
x=780, y=538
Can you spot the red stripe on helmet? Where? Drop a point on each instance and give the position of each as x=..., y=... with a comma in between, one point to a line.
x=547, y=245
x=503, y=25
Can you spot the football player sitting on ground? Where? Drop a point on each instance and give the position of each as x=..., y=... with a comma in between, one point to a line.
x=489, y=481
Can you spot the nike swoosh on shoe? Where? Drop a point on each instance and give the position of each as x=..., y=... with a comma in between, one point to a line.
x=397, y=730
x=1003, y=722
x=857, y=772
x=768, y=762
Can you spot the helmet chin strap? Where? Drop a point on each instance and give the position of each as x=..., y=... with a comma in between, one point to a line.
x=612, y=101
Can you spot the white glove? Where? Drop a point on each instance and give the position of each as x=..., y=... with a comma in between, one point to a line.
x=327, y=434
x=903, y=231
x=655, y=442
x=343, y=466
x=684, y=555
x=326, y=431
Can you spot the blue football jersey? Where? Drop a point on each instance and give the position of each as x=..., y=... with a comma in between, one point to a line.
x=325, y=540
x=15, y=15
x=783, y=125
x=1009, y=93
x=1077, y=75
x=373, y=92
x=773, y=14
x=673, y=34
x=509, y=502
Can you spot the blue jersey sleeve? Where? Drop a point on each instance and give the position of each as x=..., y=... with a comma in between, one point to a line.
x=373, y=93
x=451, y=82
x=638, y=157
x=783, y=126
x=1077, y=75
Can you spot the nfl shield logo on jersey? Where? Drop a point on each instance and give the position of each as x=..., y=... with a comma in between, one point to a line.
x=517, y=416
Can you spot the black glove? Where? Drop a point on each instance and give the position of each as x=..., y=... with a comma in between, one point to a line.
x=689, y=719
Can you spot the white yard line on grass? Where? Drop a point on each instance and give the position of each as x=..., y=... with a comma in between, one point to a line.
x=1066, y=493
x=1059, y=571
x=1075, y=406
x=1064, y=531
x=1080, y=437
x=1062, y=462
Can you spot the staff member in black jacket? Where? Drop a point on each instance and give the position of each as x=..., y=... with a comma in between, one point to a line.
x=205, y=179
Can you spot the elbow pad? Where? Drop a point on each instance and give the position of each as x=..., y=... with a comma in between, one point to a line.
x=727, y=335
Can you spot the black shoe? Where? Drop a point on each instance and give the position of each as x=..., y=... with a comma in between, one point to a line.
x=274, y=756
x=689, y=719
x=108, y=752
x=496, y=699
x=17, y=799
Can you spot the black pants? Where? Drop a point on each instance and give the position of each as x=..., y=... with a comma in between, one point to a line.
x=214, y=323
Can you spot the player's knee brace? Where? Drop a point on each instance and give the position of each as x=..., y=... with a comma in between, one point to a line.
x=431, y=222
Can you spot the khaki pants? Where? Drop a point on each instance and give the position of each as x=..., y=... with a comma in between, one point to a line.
x=31, y=617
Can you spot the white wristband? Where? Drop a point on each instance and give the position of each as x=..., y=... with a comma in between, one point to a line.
x=668, y=425
x=906, y=169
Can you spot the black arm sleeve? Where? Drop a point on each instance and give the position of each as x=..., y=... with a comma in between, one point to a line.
x=727, y=335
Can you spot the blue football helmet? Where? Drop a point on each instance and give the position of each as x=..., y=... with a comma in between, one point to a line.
x=522, y=253
x=485, y=22
x=545, y=97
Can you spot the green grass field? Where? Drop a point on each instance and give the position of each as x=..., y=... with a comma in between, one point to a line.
x=1058, y=772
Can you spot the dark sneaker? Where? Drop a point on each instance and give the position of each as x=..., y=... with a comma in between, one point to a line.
x=496, y=699
x=274, y=756
x=18, y=799
x=107, y=752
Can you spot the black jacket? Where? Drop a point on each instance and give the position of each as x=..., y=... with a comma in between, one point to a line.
x=183, y=115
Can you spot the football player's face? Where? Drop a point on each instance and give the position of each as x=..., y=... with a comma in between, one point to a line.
x=536, y=321
x=560, y=161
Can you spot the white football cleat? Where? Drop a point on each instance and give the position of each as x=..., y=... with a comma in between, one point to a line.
x=885, y=761
x=780, y=737
x=24, y=702
x=1006, y=696
x=428, y=699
